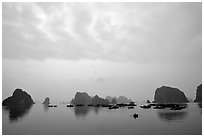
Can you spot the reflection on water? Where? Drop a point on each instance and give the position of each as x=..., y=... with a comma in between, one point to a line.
x=100, y=120
x=16, y=112
x=46, y=107
x=84, y=110
x=170, y=116
x=81, y=111
x=200, y=105
x=96, y=109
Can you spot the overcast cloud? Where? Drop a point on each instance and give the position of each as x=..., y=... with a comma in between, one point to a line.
x=140, y=32
x=144, y=43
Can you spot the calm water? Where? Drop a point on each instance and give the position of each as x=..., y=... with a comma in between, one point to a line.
x=89, y=120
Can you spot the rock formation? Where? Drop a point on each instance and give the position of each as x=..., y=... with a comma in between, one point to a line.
x=198, y=94
x=114, y=101
x=119, y=100
x=82, y=98
x=19, y=97
x=123, y=99
x=46, y=101
x=169, y=95
x=72, y=102
x=99, y=101
x=110, y=98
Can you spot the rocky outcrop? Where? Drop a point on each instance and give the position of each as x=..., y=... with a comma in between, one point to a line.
x=119, y=100
x=82, y=98
x=198, y=94
x=72, y=102
x=169, y=95
x=123, y=99
x=114, y=101
x=110, y=98
x=46, y=101
x=19, y=97
x=99, y=101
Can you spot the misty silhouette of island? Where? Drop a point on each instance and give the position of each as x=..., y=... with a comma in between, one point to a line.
x=47, y=104
x=163, y=94
x=83, y=99
x=199, y=94
x=19, y=97
x=165, y=97
x=113, y=101
x=21, y=102
x=46, y=101
x=169, y=95
x=119, y=100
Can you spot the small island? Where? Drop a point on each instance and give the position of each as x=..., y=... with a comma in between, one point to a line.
x=46, y=101
x=166, y=94
x=82, y=98
x=19, y=97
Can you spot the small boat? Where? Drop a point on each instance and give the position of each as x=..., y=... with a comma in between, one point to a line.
x=131, y=107
x=113, y=107
x=70, y=106
x=106, y=106
x=159, y=107
x=135, y=115
x=177, y=108
x=121, y=105
x=146, y=106
x=52, y=105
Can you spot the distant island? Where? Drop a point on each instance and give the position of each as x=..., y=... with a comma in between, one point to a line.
x=163, y=94
x=46, y=101
x=84, y=98
x=120, y=99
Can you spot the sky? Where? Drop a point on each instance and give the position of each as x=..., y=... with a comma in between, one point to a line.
x=108, y=49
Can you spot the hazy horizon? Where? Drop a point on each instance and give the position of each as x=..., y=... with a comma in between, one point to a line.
x=107, y=49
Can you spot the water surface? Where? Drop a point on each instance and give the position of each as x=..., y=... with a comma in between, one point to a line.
x=40, y=119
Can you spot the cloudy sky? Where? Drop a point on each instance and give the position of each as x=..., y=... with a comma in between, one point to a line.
x=55, y=49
